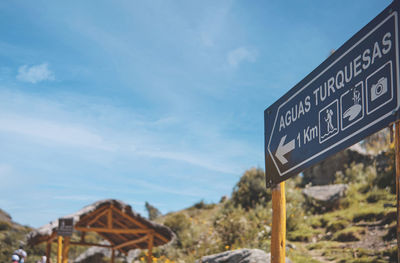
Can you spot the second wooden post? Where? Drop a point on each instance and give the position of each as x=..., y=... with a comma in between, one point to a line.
x=397, y=153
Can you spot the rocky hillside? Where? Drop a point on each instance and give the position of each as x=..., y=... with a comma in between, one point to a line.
x=349, y=217
x=11, y=236
x=354, y=221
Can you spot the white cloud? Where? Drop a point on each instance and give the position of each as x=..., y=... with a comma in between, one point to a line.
x=98, y=127
x=34, y=74
x=239, y=55
x=192, y=159
x=63, y=133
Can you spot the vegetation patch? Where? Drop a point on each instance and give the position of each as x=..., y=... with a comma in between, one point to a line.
x=349, y=234
x=337, y=225
x=368, y=214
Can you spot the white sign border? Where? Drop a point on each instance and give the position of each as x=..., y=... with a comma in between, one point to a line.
x=322, y=72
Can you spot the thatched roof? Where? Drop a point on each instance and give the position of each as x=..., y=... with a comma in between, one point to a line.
x=115, y=221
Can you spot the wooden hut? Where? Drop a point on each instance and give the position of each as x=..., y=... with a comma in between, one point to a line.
x=113, y=220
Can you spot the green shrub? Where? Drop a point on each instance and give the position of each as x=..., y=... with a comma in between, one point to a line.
x=231, y=226
x=337, y=225
x=4, y=225
x=391, y=253
x=368, y=215
x=301, y=235
x=179, y=223
x=376, y=195
x=251, y=190
x=203, y=205
x=349, y=234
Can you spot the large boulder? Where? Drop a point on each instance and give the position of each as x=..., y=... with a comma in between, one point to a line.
x=239, y=256
x=101, y=255
x=324, y=172
x=325, y=197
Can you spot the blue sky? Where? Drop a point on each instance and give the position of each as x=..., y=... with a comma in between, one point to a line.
x=159, y=101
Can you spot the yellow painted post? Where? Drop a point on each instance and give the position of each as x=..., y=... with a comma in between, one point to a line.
x=65, y=249
x=59, y=249
x=397, y=149
x=278, y=235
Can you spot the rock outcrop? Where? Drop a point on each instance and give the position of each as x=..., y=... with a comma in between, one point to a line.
x=4, y=216
x=326, y=197
x=98, y=255
x=324, y=172
x=239, y=256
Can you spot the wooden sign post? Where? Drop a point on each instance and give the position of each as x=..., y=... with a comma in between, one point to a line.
x=59, y=249
x=397, y=153
x=64, y=231
x=278, y=235
x=65, y=249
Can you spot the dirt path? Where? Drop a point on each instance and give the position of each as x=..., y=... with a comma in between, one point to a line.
x=317, y=255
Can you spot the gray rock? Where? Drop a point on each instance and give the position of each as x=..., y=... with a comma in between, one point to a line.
x=239, y=256
x=325, y=197
x=324, y=172
x=98, y=254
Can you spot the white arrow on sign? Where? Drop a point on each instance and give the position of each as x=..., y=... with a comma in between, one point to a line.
x=284, y=149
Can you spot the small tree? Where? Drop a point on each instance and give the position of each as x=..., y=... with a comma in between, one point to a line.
x=251, y=189
x=152, y=211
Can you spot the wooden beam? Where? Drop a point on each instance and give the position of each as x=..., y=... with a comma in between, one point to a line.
x=83, y=235
x=150, y=248
x=166, y=240
x=48, y=252
x=132, y=242
x=52, y=237
x=96, y=218
x=163, y=238
x=109, y=218
x=113, y=230
x=116, y=222
x=89, y=244
x=121, y=224
x=112, y=255
x=83, y=220
x=65, y=249
x=105, y=237
x=278, y=235
x=130, y=218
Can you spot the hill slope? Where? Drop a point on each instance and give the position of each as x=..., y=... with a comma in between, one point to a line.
x=361, y=229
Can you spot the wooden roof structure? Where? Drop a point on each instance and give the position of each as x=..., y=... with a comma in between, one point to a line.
x=113, y=220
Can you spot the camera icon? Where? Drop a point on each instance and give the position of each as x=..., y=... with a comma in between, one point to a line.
x=379, y=88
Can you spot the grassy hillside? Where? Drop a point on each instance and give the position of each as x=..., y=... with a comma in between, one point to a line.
x=11, y=236
x=362, y=228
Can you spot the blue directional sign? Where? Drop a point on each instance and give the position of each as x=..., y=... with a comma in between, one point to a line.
x=351, y=95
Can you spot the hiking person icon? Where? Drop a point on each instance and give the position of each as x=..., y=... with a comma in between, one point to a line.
x=328, y=121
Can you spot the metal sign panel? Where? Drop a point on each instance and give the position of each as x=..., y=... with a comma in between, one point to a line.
x=352, y=94
x=65, y=226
